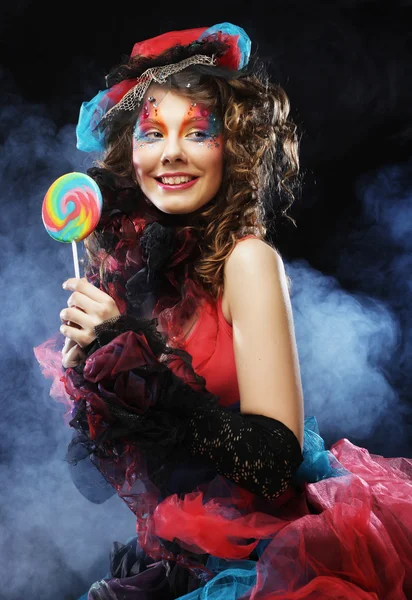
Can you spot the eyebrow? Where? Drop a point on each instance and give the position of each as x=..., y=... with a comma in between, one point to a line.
x=184, y=122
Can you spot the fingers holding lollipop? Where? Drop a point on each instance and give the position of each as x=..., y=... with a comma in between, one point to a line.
x=87, y=308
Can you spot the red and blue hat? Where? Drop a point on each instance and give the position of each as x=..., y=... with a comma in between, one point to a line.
x=90, y=137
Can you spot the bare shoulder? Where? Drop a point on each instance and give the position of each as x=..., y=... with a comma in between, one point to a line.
x=253, y=267
x=252, y=249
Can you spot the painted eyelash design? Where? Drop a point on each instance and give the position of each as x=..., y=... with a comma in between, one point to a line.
x=139, y=135
x=201, y=137
x=204, y=135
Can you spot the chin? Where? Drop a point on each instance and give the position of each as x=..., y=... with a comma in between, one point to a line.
x=179, y=207
x=180, y=210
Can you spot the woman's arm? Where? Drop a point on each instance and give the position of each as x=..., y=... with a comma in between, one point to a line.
x=264, y=343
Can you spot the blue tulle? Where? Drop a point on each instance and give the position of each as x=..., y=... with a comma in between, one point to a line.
x=90, y=138
x=318, y=463
x=233, y=579
x=243, y=41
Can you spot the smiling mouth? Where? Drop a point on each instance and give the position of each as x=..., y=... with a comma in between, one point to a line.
x=176, y=180
x=180, y=184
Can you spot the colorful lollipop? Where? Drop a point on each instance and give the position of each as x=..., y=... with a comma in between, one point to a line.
x=71, y=210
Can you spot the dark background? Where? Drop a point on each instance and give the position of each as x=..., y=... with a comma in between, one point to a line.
x=346, y=67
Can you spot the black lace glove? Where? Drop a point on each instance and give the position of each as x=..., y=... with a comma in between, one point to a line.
x=257, y=452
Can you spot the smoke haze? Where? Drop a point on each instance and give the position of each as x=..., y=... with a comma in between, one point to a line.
x=349, y=257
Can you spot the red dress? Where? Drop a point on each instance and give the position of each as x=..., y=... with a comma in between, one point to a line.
x=210, y=343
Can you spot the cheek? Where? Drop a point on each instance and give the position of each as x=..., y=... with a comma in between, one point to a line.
x=143, y=158
x=209, y=153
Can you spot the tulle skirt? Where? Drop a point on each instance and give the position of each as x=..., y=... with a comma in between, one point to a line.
x=343, y=530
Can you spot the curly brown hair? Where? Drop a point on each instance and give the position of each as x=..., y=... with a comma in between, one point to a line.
x=261, y=162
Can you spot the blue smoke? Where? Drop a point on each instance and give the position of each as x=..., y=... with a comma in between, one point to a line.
x=53, y=544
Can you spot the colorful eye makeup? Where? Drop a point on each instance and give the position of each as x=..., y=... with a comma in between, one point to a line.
x=200, y=125
x=208, y=124
x=143, y=126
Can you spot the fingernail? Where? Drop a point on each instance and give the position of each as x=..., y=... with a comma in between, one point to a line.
x=64, y=285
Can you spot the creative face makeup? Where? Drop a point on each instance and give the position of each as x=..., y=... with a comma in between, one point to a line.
x=177, y=152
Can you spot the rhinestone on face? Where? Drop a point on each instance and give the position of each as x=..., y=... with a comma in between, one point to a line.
x=151, y=98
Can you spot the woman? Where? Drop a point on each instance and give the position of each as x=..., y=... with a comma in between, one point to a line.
x=180, y=357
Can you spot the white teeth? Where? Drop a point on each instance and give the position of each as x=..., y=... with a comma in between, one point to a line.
x=175, y=180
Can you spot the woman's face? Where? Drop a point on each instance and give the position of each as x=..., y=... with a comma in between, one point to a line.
x=177, y=152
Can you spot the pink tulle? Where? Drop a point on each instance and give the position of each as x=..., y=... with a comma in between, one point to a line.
x=49, y=357
x=355, y=541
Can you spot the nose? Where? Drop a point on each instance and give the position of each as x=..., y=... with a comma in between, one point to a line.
x=173, y=151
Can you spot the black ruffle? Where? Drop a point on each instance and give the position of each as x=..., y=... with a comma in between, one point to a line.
x=133, y=570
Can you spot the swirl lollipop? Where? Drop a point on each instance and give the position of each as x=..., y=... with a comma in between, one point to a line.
x=71, y=210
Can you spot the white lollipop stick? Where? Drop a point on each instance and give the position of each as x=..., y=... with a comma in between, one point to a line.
x=75, y=260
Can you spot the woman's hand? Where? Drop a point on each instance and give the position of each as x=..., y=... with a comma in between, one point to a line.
x=87, y=308
x=72, y=354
